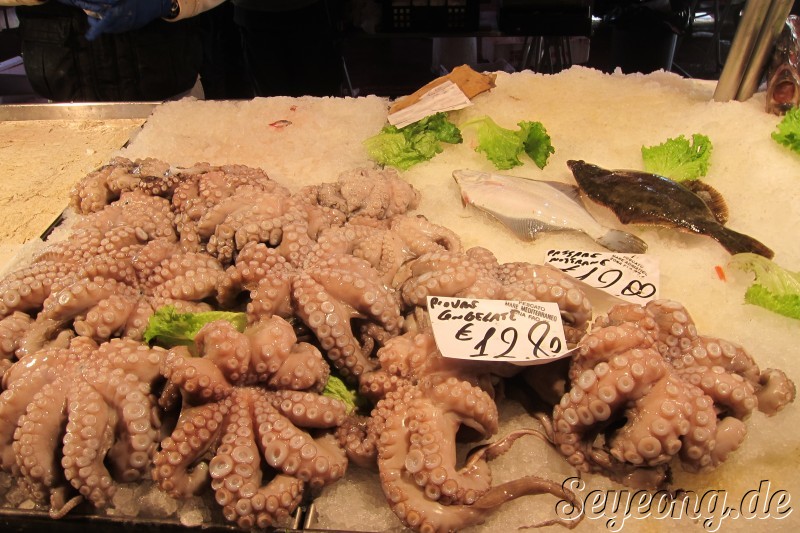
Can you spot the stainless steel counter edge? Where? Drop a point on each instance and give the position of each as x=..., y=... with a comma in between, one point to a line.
x=77, y=111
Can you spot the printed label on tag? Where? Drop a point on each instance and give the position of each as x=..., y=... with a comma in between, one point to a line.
x=523, y=333
x=444, y=97
x=631, y=277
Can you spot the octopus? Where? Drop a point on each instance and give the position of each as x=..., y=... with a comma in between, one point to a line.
x=476, y=273
x=115, y=292
x=233, y=412
x=341, y=299
x=107, y=183
x=364, y=192
x=78, y=420
x=411, y=433
x=344, y=291
x=679, y=394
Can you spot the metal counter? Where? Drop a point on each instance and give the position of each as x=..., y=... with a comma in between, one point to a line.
x=78, y=111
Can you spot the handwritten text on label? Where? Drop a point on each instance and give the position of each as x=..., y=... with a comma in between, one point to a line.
x=524, y=333
x=632, y=277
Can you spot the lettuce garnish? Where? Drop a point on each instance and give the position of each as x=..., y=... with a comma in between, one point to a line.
x=503, y=146
x=678, y=159
x=415, y=143
x=168, y=328
x=336, y=388
x=788, y=130
x=774, y=288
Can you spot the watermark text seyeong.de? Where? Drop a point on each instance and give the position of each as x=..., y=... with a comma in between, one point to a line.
x=711, y=508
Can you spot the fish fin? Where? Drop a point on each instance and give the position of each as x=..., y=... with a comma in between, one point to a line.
x=524, y=228
x=622, y=242
x=573, y=192
x=737, y=243
x=711, y=197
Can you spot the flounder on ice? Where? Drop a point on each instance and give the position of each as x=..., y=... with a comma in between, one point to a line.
x=642, y=198
x=530, y=207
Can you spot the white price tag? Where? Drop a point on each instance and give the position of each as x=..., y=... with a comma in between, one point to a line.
x=631, y=277
x=446, y=96
x=523, y=333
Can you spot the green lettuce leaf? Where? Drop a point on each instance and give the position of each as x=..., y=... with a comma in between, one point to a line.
x=536, y=142
x=678, y=159
x=415, y=143
x=168, y=328
x=774, y=287
x=503, y=146
x=788, y=130
x=336, y=388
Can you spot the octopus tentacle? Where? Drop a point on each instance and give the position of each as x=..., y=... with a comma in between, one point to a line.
x=334, y=293
x=543, y=283
x=197, y=430
x=422, y=236
x=106, y=319
x=28, y=288
x=78, y=298
x=12, y=328
x=37, y=438
x=236, y=474
x=727, y=390
x=605, y=388
x=431, y=457
x=437, y=274
x=417, y=509
x=307, y=409
x=199, y=378
x=776, y=391
x=136, y=434
x=255, y=264
x=374, y=193
x=92, y=192
x=31, y=373
x=88, y=438
x=279, y=360
x=222, y=344
x=295, y=452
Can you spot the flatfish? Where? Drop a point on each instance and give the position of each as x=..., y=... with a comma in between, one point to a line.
x=642, y=198
x=530, y=207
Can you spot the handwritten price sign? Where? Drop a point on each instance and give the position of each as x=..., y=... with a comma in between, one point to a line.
x=523, y=333
x=632, y=277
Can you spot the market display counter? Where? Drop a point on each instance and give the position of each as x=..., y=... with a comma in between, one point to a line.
x=44, y=150
x=603, y=119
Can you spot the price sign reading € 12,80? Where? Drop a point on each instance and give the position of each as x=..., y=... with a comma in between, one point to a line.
x=631, y=277
x=523, y=333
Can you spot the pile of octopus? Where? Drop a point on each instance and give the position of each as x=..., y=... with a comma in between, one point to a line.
x=330, y=280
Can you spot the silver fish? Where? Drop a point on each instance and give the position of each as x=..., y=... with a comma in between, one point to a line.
x=530, y=207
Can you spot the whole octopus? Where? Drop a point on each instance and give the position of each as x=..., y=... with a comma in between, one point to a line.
x=679, y=394
x=333, y=278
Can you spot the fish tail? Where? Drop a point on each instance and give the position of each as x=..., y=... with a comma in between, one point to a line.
x=737, y=243
x=622, y=242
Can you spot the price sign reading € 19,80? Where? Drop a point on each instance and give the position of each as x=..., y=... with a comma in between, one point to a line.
x=523, y=333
